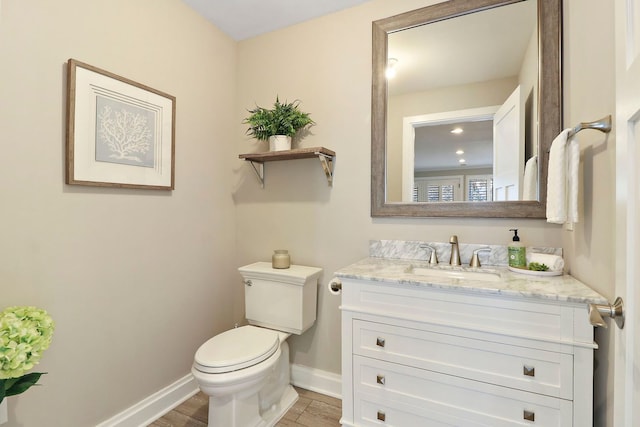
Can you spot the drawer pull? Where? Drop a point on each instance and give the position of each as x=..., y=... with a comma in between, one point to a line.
x=380, y=379
x=529, y=371
x=381, y=416
x=529, y=415
x=380, y=342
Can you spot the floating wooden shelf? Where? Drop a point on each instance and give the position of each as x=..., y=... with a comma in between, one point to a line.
x=325, y=155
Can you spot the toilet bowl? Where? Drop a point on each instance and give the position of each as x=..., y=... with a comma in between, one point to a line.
x=245, y=371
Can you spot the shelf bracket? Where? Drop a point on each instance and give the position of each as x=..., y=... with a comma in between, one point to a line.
x=327, y=165
x=258, y=168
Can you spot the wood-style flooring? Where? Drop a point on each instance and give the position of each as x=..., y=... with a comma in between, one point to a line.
x=311, y=410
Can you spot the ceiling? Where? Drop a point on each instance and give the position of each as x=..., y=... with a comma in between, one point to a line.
x=243, y=19
x=436, y=146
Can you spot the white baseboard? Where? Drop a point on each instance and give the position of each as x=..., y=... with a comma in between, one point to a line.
x=155, y=406
x=316, y=380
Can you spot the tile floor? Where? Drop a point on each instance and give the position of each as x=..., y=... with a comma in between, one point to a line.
x=311, y=410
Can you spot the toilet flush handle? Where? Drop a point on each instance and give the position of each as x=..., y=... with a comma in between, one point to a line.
x=248, y=282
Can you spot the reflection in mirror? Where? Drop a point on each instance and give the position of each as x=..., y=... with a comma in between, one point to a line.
x=431, y=75
x=453, y=161
x=477, y=73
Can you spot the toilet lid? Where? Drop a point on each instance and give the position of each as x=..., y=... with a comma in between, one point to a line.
x=236, y=349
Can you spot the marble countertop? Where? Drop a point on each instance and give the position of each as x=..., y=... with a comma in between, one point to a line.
x=558, y=288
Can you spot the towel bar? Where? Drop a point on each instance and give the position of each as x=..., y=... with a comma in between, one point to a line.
x=603, y=125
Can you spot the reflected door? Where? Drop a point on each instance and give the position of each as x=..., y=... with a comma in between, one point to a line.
x=508, y=149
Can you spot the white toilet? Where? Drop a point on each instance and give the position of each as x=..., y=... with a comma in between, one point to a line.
x=245, y=371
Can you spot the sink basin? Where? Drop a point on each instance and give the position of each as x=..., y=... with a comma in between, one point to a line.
x=486, y=276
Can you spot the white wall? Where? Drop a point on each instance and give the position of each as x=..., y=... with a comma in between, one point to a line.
x=135, y=280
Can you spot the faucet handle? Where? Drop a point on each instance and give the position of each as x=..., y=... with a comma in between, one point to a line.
x=433, y=259
x=475, y=260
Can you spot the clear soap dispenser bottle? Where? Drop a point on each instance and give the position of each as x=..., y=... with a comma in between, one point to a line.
x=517, y=251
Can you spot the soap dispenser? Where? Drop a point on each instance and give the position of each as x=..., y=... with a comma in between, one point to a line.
x=517, y=251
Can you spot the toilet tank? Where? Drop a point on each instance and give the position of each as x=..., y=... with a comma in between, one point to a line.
x=281, y=299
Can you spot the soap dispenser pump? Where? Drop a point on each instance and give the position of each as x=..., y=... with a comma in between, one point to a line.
x=517, y=251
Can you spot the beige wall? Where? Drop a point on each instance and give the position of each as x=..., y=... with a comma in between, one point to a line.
x=331, y=72
x=589, y=89
x=135, y=280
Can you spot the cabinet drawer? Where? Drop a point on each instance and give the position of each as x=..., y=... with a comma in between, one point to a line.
x=518, y=367
x=417, y=397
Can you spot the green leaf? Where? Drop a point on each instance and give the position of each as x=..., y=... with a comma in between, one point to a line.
x=21, y=384
x=538, y=267
x=284, y=119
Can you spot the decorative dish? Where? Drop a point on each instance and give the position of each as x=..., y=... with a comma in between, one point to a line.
x=534, y=272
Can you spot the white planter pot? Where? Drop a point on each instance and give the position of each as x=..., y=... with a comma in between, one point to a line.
x=279, y=143
x=3, y=412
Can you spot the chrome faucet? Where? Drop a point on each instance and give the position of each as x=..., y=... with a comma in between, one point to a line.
x=455, y=251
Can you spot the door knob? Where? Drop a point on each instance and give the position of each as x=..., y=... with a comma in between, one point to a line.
x=615, y=311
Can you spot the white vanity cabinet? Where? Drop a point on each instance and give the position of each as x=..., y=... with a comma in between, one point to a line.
x=420, y=355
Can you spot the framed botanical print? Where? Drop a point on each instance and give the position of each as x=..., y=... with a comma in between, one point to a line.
x=119, y=133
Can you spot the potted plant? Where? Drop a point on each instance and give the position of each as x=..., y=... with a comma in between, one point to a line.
x=25, y=332
x=277, y=125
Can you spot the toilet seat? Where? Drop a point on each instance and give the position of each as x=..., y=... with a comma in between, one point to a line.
x=236, y=349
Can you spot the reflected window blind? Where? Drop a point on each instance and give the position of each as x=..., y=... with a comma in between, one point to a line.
x=479, y=189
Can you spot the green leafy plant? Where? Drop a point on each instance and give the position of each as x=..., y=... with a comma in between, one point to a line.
x=535, y=266
x=283, y=119
x=25, y=333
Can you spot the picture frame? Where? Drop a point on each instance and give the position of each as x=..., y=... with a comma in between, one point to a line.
x=119, y=133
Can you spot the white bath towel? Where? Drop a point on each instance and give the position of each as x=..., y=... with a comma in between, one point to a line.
x=573, y=160
x=562, y=181
x=530, y=184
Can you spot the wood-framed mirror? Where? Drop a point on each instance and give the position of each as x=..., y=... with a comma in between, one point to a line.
x=541, y=105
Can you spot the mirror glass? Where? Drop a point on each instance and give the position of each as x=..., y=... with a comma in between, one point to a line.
x=465, y=105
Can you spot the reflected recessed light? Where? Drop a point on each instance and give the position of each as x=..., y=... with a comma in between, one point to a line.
x=457, y=130
x=390, y=72
x=460, y=152
x=462, y=161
